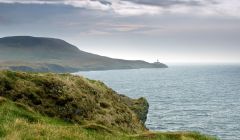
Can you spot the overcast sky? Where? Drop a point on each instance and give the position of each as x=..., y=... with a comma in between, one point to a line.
x=169, y=30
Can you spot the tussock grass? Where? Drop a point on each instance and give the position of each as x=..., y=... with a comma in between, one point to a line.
x=17, y=123
x=47, y=106
x=71, y=98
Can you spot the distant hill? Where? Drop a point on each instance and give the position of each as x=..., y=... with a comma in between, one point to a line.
x=28, y=53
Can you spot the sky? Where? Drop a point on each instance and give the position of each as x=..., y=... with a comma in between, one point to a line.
x=173, y=31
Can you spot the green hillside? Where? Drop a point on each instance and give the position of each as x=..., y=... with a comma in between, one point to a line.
x=48, y=54
x=63, y=106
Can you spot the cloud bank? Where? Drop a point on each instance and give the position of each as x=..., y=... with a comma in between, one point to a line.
x=150, y=7
x=125, y=8
x=177, y=30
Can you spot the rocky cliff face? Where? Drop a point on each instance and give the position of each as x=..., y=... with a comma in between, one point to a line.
x=75, y=99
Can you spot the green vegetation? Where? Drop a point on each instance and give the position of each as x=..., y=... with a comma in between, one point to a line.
x=71, y=98
x=20, y=122
x=63, y=106
x=27, y=53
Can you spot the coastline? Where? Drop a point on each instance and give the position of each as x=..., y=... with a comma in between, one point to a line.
x=29, y=112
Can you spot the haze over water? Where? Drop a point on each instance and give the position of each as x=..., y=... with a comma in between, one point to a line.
x=197, y=98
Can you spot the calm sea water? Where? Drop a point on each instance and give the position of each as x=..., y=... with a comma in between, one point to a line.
x=196, y=98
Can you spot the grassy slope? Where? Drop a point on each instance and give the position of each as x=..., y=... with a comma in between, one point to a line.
x=63, y=106
x=72, y=98
x=20, y=122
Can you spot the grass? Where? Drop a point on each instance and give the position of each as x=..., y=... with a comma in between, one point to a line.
x=74, y=99
x=62, y=106
x=19, y=122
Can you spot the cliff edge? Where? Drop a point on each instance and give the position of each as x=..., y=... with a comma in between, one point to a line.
x=64, y=106
x=74, y=99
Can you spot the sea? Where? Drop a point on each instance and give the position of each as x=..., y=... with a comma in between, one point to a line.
x=203, y=98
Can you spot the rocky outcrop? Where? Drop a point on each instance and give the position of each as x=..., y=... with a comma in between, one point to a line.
x=75, y=99
x=139, y=106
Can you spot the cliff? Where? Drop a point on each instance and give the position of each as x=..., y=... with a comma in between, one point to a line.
x=64, y=106
x=74, y=99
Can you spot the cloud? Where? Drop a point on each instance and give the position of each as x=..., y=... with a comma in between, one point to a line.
x=124, y=8
x=133, y=9
x=95, y=32
x=167, y=3
x=197, y=7
x=120, y=27
x=90, y=4
x=113, y=28
x=150, y=7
